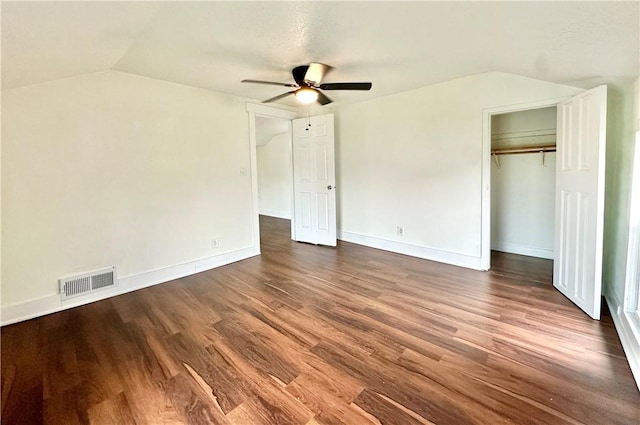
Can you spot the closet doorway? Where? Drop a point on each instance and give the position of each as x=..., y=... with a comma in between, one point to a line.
x=523, y=179
x=581, y=124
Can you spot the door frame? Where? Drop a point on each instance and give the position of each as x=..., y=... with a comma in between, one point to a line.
x=485, y=231
x=254, y=110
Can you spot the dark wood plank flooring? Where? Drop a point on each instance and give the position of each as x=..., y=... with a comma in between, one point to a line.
x=321, y=336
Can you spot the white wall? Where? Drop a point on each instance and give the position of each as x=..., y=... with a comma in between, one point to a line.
x=523, y=205
x=636, y=104
x=620, y=152
x=274, y=177
x=116, y=169
x=524, y=128
x=522, y=190
x=415, y=159
x=623, y=120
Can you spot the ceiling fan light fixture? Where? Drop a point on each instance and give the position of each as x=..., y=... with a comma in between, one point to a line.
x=309, y=86
x=306, y=95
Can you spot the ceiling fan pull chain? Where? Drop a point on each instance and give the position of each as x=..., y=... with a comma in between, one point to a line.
x=308, y=117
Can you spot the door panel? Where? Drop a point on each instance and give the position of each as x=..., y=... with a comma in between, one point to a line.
x=314, y=180
x=580, y=199
x=306, y=209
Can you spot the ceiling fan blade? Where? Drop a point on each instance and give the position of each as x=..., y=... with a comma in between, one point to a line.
x=278, y=97
x=299, y=73
x=315, y=73
x=273, y=83
x=323, y=99
x=346, y=86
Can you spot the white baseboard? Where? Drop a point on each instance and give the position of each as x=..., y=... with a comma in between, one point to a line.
x=523, y=250
x=48, y=304
x=275, y=213
x=629, y=334
x=426, y=253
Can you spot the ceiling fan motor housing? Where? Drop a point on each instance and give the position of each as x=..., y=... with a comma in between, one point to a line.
x=309, y=78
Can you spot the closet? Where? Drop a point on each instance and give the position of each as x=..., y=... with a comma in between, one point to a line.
x=523, y=173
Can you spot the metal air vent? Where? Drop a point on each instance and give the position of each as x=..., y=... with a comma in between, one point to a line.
x=85, y=283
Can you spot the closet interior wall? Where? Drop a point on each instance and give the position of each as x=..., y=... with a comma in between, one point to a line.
x=523, y=183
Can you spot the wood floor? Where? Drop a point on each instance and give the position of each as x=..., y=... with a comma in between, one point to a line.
x=321, y=336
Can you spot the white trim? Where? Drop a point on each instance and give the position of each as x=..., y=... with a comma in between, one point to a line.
x=419, y=251
x=275, y=213
x=253, y=165
x=14, y=313
x=522, y=250
x=628, y=328
x=48, y=304
x=485, y=232
x=270, y=111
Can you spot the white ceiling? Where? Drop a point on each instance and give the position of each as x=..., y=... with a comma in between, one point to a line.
x=396, y=45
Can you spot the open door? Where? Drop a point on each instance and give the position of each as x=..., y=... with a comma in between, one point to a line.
x=577, y=269
x=314, y=202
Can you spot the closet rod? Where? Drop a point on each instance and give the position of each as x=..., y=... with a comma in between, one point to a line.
x=528, y=149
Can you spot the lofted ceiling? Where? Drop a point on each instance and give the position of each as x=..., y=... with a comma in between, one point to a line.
x=396, y=45
x=268, y=128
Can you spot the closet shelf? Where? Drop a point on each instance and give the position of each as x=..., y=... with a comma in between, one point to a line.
x=524, y=149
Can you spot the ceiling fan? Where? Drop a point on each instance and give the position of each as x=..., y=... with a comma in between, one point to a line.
x=308, y=83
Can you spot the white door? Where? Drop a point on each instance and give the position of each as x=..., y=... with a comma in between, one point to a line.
x=577, y=269
x=314, y=199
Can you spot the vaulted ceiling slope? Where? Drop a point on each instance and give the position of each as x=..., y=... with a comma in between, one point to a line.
x=399, y=46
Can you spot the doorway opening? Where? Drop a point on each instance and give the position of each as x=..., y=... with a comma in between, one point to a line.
x=274, y=167
x=312, y=206
x=523, y=173
x=267, y=124
x=514, y=131
x=274, y=171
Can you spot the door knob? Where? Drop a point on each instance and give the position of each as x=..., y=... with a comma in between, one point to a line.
x=331, y=187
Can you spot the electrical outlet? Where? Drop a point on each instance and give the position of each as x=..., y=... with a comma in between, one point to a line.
x=215, y=243
x=400, y=230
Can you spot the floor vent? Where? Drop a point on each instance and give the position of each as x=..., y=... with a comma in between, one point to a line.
x=85, y=283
